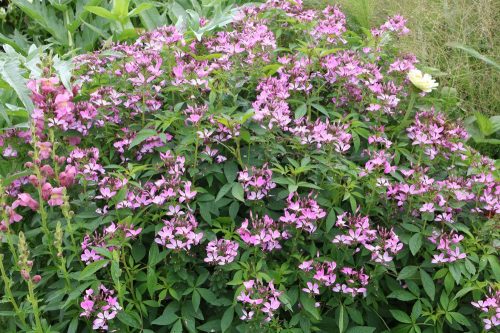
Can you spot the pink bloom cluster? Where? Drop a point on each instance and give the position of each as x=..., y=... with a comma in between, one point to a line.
x=322, y=133
x=169, y=187
x=257, y=298
x=396, y=24
x=179, y=232
x=303, y=213
x=100, y=305
x=221, y=251
x=264, y=232
x=350, y=281
x=382, y=243
x=257, y=182
x=491, y=307
x=110, y=233
x=54, y=104
x=447, y=244
x=436, y=136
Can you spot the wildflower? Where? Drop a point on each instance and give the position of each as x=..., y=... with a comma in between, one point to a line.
x=221, y=252
x=422, y=81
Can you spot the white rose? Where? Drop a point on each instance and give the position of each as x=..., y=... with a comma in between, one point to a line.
x=422, y=81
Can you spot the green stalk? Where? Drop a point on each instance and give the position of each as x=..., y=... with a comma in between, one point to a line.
x=8, y=292
x=34, y=303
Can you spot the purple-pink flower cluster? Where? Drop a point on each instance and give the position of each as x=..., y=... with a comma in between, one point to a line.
x=256, y=182
x=100, y=305
x=258, y=298
x=221, y=251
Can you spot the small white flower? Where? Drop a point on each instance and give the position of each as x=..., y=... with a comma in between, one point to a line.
x=422, y=81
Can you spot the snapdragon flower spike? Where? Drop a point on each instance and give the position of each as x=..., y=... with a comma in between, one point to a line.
x=100, y=306
x=256, y=182
x=264, y=232
x=447, y=244
x=221, y=251
x=304, y=213
x=259, y=298
x=490, y=307
x=179, y=232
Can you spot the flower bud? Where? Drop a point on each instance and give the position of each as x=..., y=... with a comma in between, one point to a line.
x=37, y=278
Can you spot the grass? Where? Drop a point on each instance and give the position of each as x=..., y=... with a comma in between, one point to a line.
x=434, y=23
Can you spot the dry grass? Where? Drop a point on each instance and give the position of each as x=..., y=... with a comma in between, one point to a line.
x=434, y=23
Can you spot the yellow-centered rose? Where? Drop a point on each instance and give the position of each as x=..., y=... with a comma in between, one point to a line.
x=422, y=81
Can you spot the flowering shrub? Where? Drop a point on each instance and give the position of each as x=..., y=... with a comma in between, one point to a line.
x=283, y=174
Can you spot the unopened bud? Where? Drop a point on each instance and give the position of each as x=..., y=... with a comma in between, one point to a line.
x=25, y=274
x=37, y=278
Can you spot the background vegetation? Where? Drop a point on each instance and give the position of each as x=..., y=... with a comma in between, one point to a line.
x=436, y=27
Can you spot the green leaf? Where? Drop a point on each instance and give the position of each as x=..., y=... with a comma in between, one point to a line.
x=168, y=316
x=11, y=73
x=470, y=51
x=143, y=134
x=64, y=71
x=195, y=299
x=238, y=192
x=309, y=304
x=223, y=191
x=102, y=12
x=460, y=318
x=407, y=272
x=91, y=269
x=128, y=320
x=139, y=9
x=361, y=329
x=401, y=316
x=227, y=319
x=415, y=243
x=343, y=320
x=402, y=295
x=428, y=284
x=230, y=171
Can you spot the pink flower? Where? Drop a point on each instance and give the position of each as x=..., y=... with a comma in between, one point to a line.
x=56, y=196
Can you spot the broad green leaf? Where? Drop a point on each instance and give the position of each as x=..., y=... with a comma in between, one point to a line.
x=102, y=12
x=415, y=243
x=428, y=284
x=227, y=319
x=11, y=73
x=401, y=316
x=238, y=192
x=91, y=269
x=143, y=134
x=168, y=316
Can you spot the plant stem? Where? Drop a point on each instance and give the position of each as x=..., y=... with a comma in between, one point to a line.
x=8, y=292
x=34, y=303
